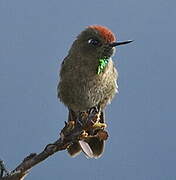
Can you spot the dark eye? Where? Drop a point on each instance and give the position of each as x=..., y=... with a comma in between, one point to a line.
x=94, y=42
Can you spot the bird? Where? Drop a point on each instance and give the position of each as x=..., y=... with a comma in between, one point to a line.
x=88, y=83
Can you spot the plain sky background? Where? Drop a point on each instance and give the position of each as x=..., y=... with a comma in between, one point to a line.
x=35, y=36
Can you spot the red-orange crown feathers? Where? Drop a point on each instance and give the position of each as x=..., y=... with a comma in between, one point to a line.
x=106, y=33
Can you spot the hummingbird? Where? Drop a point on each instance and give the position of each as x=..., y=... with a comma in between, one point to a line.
x=88, y=80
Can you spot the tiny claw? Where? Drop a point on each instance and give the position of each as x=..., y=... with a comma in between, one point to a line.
x=99, y=125
x=96, y=118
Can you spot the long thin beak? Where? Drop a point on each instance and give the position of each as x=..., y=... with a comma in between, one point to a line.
x=120, y=43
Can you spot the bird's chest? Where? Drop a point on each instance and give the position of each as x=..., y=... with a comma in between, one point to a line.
x=82, y=88
x=90, y=90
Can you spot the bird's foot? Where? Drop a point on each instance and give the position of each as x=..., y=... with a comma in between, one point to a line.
x=98, y=125
x=96, y=118
x=90, y=118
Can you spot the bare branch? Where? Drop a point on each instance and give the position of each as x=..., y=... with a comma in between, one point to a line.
x=70, y=133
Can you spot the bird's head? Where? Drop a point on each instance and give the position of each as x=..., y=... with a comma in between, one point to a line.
x=96, y=42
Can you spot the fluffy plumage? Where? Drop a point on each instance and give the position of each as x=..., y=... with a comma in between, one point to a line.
x=81, y=88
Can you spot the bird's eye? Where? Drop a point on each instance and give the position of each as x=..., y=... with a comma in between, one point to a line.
x=94, y=42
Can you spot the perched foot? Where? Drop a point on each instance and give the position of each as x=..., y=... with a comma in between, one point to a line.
x=91, y=120
x=98, y=125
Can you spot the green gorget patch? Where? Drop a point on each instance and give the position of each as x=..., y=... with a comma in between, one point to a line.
x=102, y=64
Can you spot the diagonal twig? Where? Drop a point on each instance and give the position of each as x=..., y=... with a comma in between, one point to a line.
x=70, y=133
x=67, y=136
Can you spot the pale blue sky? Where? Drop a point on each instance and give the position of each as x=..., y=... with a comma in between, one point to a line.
x=34, y=38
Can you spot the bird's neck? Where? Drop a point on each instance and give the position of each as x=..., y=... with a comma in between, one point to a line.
x=103, y=62
x=89, y=65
